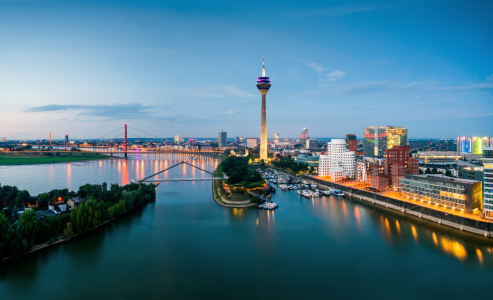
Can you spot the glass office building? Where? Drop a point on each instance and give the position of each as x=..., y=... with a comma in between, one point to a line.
x=378, y=138
x=446, y=192
x=472, y=145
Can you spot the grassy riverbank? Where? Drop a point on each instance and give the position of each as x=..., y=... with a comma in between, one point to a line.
x=27, y=159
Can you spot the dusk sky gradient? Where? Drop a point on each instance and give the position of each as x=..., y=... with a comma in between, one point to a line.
x=84, y=68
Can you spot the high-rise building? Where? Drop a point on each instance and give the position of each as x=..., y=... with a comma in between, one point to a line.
x=178, y=139
x=488, y=181
x=339, y=163
x=311, y=144
x=378, y=138
x=397, y=163
x=237, y=140
x=276, y=137
x=252, y=143
x=304, y=136
x=222, y=138
x=352, y=142
x=263, y=85
x=66, y=139
x=473, y=145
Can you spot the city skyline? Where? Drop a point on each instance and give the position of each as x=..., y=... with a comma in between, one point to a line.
x=83, y=68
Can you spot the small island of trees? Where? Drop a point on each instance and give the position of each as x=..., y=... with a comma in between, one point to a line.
x=20, y=232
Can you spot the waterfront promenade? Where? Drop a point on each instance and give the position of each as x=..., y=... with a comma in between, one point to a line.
x=459, y=220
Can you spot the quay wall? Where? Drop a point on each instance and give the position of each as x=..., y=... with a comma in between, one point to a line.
x=483, y=228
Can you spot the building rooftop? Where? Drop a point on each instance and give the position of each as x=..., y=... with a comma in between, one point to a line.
x=442, y=178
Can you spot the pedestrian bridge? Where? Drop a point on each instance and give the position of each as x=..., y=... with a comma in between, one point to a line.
x=149, y=178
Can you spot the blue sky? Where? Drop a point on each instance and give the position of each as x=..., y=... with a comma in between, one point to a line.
x=84, y=68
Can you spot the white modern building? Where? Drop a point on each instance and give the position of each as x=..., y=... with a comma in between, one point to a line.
x=178, y=139
x=339, y=162
x=488, y=181
x=361, y=171
x=252, y=143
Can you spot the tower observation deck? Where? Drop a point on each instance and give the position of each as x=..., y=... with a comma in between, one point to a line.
x=263, y=85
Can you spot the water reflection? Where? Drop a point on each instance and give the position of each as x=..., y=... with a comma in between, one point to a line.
x=397, y=229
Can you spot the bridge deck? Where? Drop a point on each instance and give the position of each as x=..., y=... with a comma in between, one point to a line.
x=181, y=179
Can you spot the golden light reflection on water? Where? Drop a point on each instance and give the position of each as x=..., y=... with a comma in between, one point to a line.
x=69, y=176
x=238, y=212
x=414, y=232
x=435, y=240
x=344, y=209
x=125, y=173
x=453, y=248
x=480, y=256
x=398, y=227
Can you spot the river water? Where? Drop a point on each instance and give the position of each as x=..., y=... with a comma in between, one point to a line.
x=185, y=246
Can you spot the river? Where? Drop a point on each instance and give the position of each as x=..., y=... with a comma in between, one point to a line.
x=185, y=246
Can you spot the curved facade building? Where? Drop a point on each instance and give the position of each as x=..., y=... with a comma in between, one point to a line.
x=339, y=162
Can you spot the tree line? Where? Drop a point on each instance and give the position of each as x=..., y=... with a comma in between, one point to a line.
x=19, y=233
x=289, y=163
x=238, y=172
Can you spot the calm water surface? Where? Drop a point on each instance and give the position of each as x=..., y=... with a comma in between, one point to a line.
x=185, y=246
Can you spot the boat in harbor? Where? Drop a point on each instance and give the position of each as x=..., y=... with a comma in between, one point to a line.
x=268, y=205
x=306, y=194
x=283, y=187
x=336, y=193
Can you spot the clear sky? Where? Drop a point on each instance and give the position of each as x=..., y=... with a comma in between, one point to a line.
x=84, y=68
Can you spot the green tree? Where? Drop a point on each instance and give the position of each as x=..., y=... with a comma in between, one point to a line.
x=24, y=233
x=86, y=216
x=43, y=200
x=68, y=231
x=4, y=236
x=22, y=198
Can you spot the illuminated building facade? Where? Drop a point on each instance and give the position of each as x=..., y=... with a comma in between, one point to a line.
x=339, y=163
x=222, y=138
x=472, y=145
x=459, y=194
x=276, y=137
x=178, y=139
x=397, y=163
x=263, y=85
x=311, y=144
x=379, y=181
x=252, y=143
x=352, y=142
x=304, y=136
x=378, y=138
x=438, y=156
x=488, y=181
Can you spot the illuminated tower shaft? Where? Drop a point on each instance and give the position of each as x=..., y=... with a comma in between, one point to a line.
x=263, y=85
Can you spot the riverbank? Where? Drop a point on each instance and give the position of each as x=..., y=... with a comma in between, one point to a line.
x=220, y=198
x=462, y=223
x=28, y=159
x=28, y=234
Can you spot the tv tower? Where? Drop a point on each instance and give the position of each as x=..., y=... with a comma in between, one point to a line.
x=263, y=85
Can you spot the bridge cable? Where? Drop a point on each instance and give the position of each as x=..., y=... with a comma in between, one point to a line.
x=183, y=162
x=145, y=132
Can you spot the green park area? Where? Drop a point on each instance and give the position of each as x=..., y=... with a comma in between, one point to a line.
x=28, y=159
